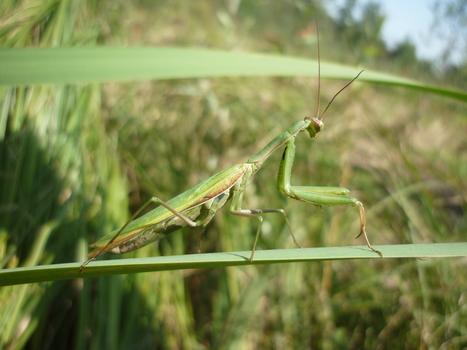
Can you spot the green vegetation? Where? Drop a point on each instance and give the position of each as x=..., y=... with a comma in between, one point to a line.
x=76, y=159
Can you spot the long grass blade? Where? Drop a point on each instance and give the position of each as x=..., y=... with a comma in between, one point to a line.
x=103, y=64
x=191, y=261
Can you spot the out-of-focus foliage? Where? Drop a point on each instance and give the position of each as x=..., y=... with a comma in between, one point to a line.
x=454, y=34
x=72, y=157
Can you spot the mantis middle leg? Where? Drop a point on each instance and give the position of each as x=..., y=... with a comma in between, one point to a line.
x=235, y=209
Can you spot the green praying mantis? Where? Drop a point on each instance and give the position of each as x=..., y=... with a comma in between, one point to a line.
x=197, y=206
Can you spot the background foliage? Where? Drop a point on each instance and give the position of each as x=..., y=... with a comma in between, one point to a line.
x=74, y=158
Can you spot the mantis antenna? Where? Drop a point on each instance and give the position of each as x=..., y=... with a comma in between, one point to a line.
x=318, y=116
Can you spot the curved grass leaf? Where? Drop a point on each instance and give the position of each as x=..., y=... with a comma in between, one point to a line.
x=191, y=261
x=100, y=64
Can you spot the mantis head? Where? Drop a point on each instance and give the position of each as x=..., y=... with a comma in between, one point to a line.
x=314, y=127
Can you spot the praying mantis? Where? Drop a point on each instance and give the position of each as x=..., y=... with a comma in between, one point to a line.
x=197, y=206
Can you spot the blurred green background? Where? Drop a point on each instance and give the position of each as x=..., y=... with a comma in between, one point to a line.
x=76, y=160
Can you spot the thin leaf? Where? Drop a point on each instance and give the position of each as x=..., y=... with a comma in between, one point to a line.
x=100, y=64
x=196, y=261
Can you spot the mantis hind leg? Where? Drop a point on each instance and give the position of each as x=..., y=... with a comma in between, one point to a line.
x=108, y=246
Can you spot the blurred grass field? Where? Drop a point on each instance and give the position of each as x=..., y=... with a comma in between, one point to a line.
x=76, y=160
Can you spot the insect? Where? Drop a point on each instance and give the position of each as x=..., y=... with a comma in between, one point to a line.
x=197, y=206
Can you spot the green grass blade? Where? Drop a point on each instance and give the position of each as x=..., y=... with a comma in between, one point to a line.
x=191, y=261
x=99, y=64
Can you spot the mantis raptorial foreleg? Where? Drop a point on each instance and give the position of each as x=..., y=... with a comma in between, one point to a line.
x=320, y=196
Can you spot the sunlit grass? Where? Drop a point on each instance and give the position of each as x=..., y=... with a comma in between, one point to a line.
x=73, y=156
